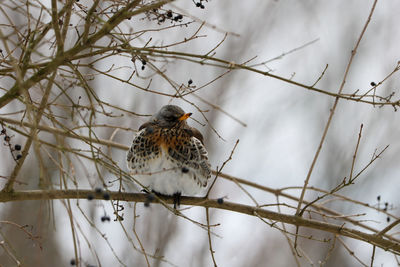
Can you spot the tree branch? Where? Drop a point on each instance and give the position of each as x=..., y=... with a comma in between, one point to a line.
x=373, y=239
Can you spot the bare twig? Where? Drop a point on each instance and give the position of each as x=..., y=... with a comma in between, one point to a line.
x=209, y=237
x=328, y=123
x=220, y=169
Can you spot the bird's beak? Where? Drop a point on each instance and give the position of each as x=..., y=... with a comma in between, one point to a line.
x=184, y=116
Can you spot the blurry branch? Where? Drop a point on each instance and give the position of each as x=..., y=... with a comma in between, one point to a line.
x=327, y=211
x=278, y=192
x=66, y=133
x=288, y=239
x=351, y=252
x=299, y=212
x=32, y=135
x=3, y=244
x=207, y=24
x=285, y=53
x=389, y=227
x=351, y=180
x=222, y=167
x=209, y=237
x=217, y=62
x=67, y=56
x=23, y=229
x=203, y=60
x=373, y=239
x=328, y=123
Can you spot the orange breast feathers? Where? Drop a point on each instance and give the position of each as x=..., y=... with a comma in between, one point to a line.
x=170, y=139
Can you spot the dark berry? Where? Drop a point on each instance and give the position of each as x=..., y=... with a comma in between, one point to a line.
x=185, y=170
x=90, y=197
x=17, y=147
x=180, y=16
x=386, y=204
x=19, y=156
x=378, y=198
x=169, y=14
x=373, y=84
x=388, y=219
x=3, y=131
x=144, y=62
x=106, y=196
x=202, y=6
x=6, y=138
x=72, y=262
x=143, y=67
x=190, y=81
x=220, y=200
x=105, y=218
x=198, y=4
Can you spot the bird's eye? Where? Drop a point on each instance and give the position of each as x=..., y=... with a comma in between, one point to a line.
x=169, y=118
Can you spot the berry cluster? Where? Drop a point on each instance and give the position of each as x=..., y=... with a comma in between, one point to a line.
x=161, y=16
x=98, y=191
x=14, y=149
x=199, y=4
x=143, y=64
x=385, y=207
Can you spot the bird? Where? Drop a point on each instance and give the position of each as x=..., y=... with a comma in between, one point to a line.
x=168, y=157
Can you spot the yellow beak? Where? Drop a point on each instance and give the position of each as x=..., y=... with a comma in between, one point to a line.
x=184, y=116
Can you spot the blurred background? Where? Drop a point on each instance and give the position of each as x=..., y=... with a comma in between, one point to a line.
x=279, y=126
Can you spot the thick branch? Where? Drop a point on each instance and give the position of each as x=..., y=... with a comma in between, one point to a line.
x=373, y=239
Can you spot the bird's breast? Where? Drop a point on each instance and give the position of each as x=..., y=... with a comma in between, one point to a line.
x=170, y=138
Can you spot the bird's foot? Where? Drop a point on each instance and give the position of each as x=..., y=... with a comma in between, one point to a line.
x=149, y=197
x=177, y=199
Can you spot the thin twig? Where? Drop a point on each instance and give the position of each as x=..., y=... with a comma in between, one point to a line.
x=328, y=123
x=220, y=169
x=209, y=237
x=355, y=154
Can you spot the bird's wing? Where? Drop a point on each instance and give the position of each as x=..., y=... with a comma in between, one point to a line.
x=142, y=150
x=192, y=156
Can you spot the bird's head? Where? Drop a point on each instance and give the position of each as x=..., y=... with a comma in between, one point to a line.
x=170, y=115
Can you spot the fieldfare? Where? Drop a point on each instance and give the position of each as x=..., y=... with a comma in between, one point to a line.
x=168, y=156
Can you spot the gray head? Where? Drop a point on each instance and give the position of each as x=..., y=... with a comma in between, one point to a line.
x=170, y=115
